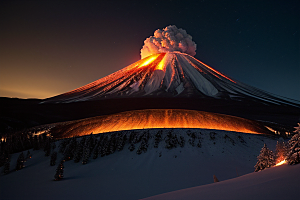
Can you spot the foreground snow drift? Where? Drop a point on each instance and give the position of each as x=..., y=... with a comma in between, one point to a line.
x=127, y=175
x=280, y=182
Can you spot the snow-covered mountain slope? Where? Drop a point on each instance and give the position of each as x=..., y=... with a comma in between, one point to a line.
x=172, y=74
x=280, y=182
x=128, y=175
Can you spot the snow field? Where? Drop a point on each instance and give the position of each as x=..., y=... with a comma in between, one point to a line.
x=127, y=175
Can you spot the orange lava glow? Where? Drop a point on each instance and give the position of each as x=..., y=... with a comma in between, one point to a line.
x=160, y=66
x=281, y=163
x=156, y=118
x=149, y=60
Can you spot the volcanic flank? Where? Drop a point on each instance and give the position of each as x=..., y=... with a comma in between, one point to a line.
x=169, y=77
x=172, y=74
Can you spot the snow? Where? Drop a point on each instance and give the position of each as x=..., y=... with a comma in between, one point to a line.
x=169, y=71
x=201, y=83
x=154, y=82
x=126, y=175
x=280, y=182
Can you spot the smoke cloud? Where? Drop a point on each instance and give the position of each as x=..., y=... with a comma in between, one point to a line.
x=168, y=40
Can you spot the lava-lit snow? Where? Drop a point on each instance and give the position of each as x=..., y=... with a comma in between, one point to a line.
x=172, y=74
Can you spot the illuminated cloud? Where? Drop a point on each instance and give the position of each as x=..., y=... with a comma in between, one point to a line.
x=167, y=40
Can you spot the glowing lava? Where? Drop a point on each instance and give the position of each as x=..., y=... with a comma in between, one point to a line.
x=156, y=118
x=281, y=163
x=149, y=60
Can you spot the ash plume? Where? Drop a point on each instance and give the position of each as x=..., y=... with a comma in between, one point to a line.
x=167, y=40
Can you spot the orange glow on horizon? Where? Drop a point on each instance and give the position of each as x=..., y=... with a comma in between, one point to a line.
x=156, y=118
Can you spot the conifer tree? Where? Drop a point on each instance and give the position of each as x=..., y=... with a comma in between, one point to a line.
x=59, y=171
x=96, y=150
x=182, y=141
x=265, y=159
x=131, y=147
x=6, y=165
x=79, y=150
x=158, y=138
x=53, y=158
x=86, y=154
x=20, y=162
x=294, y=148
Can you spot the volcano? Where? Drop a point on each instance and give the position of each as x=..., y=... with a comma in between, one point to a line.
x=170, y=75
x=170, y=80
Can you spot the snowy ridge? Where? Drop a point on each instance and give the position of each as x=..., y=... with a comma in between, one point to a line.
x=169, y=75
x=160, y=162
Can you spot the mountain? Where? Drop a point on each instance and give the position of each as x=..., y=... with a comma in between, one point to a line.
x=171, y=74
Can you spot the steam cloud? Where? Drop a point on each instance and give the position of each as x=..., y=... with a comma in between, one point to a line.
x=168, y=40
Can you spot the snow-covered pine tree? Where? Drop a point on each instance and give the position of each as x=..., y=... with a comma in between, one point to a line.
x=53, y=158
x=20, y=162
x=59, y=171
x=265, y=159
x=294, y=147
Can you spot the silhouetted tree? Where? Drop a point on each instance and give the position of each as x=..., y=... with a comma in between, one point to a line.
x=6, y=167
x=86, y=154
x=79, y=150
x=20, y=162
x=59, y=171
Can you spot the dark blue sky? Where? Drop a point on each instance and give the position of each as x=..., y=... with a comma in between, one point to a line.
x=51, y=47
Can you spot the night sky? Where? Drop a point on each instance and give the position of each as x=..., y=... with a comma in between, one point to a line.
x=51, y=47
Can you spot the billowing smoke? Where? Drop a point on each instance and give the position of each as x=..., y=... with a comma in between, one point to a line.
x=167, y=40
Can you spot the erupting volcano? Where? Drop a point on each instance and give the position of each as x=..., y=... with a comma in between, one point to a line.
x=170, y=76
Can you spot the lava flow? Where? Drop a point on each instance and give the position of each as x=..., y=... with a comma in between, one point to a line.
x=156, y=118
